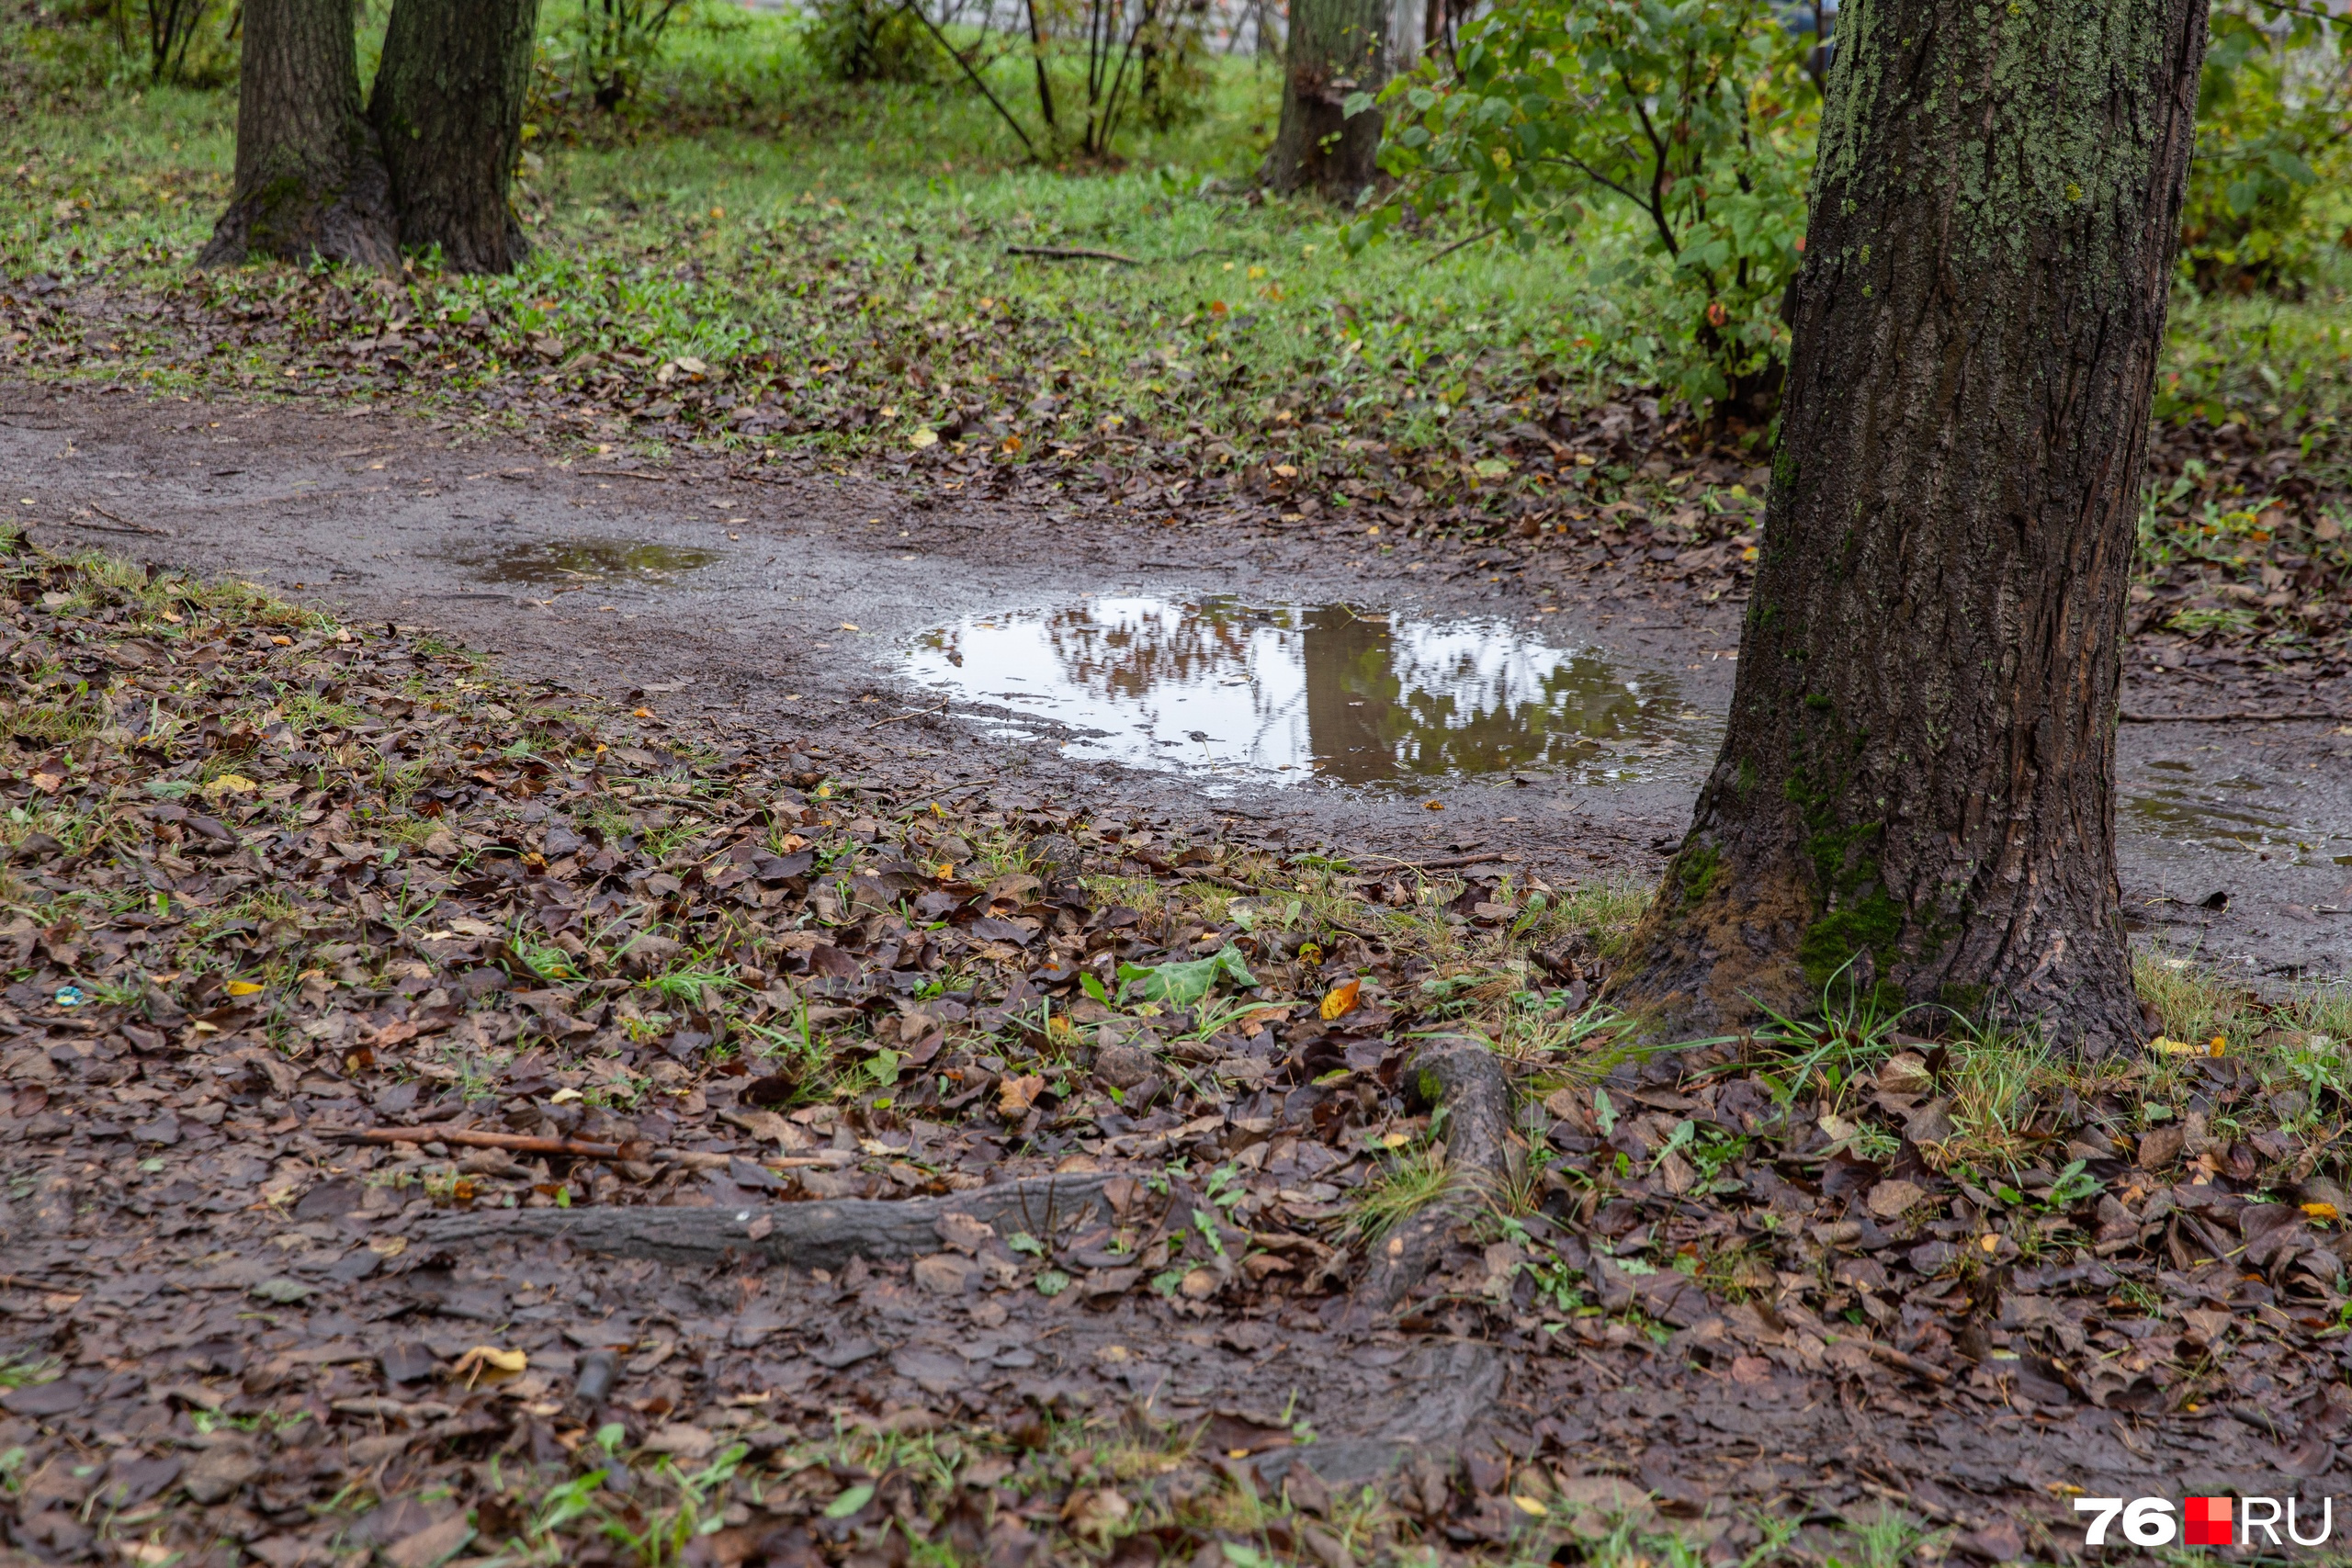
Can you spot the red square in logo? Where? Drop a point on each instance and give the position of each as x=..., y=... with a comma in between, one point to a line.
x=2206, y=1521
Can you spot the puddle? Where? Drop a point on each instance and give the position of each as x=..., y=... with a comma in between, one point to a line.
x=2225, y=814
x=557, y=561
x=1288, y=693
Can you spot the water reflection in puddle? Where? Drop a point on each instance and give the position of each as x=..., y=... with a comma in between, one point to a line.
x=557, y=561
x=1290, y=693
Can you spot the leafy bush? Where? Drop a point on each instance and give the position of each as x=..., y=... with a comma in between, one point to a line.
x=1698, y=115
x=2270, y=116
x=869, y=40
x=617, y=39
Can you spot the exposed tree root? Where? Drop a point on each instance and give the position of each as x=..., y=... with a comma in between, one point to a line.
x=1460, y=1079
x=807, y=1236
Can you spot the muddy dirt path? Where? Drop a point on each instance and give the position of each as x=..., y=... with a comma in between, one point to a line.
x=791, y=603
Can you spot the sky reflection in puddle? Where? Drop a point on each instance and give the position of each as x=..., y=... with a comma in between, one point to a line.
x=1286, y=693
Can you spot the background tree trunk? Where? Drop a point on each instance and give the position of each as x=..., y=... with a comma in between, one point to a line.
x=1918, y=778
x=1337, y=47
x=309, y=181
x=448, y=108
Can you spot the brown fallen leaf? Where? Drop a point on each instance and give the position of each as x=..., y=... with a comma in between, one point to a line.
x=1015, y=1095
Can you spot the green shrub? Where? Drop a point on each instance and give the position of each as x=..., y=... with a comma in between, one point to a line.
x=1698, y=116
x=2270, y=118
x=870, y=41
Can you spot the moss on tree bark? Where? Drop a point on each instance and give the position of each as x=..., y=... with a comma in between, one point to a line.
x=308, y=179
x=448, y=108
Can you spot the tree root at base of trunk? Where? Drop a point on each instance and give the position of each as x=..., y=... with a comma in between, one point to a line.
x=804, y=1235
x=1460, y=1082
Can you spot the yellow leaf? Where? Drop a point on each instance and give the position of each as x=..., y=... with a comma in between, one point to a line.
x=1341, y=998
x=1396, y=1140
x=488, y=1361
x=242, y=988
x=231, y=783
x=2216, y=1046
x=1530, y=1506
x=1989, y=1242
x=924, y=438
x=2172, y=1048
x=2320, y=1211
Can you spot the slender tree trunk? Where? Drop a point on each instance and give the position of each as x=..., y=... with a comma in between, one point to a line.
x=1916, y=791
x=1337, y=47
x=309, y=181
x=448, y=106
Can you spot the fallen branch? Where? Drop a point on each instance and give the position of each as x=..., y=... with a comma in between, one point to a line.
x=2242, y=715
x=807, y=1236
x=1462, y=1078
x=1069, y=252
x=473, y=1138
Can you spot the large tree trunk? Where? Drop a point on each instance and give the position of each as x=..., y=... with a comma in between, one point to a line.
x=309, y=181
x=1337, y=47
x=449, y=104
x=1918, y=785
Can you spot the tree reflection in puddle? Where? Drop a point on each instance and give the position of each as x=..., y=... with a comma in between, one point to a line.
x=1292, y=692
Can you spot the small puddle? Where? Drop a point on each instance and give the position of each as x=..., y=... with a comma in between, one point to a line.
x=2228, y=814
x=1290, y=693
x=556, y=561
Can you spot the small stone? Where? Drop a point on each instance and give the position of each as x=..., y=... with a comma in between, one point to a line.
x=1124, y=1066
x=1891, y=1200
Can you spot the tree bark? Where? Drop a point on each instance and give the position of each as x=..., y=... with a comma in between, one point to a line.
x=1337, y=47
x=448, y=108
x=1916, y=796
x=309, y=181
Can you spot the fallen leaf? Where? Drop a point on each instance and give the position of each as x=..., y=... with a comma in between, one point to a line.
x=487, y=1362
x=1341, y=998
x=242, y=988
x=1890, y=1200
x=1015, y=1096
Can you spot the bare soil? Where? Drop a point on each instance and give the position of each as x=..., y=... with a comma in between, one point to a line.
x=817, y=578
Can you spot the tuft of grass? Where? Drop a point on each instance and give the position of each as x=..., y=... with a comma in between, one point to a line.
x=2194, y=1002
x=1409, y=1181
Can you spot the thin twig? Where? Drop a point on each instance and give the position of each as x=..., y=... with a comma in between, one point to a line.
x=126, y=523
x=910, y=713
x=2242, y=715
x=1069, y=252
x=1909, y=1364
x=915, y=8
x=1448, y=862
x=628, y=474
x=1489, y=232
